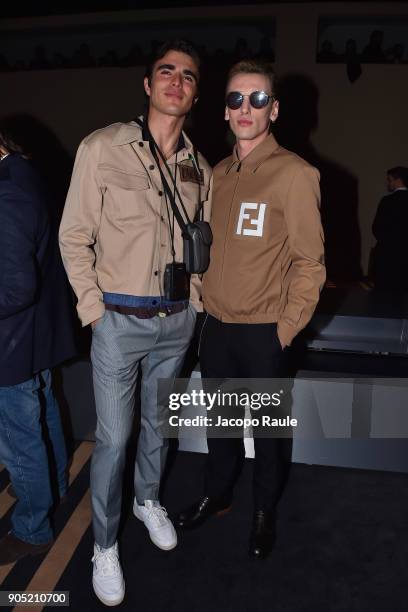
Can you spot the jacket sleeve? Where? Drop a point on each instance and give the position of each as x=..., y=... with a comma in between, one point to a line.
x=78, y=232
x=305, y=236
x=196, y=281
x=18, y=267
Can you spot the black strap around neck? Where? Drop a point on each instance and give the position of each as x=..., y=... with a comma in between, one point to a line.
x=171, y=197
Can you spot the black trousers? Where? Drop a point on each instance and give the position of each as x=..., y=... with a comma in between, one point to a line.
x=235, y=350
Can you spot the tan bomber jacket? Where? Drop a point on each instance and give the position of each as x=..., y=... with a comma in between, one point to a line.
x=267, y=258
x=114, y=234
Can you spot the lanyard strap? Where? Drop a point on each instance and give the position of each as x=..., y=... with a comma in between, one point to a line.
x=154, y=149
x=171, y=222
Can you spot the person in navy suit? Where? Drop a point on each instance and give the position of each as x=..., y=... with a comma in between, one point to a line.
x=390, y=228
x=36, y=334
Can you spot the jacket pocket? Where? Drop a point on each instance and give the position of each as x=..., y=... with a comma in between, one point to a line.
x=191, y=194
x=128, y=192
x=99, y=323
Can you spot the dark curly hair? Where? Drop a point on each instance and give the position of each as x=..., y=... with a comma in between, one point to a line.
x=183, y=46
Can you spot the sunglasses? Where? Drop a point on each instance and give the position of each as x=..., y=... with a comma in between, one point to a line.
x=257, y=99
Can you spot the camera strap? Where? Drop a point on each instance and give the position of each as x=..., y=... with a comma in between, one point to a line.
x=171, y=221
x=171, y=198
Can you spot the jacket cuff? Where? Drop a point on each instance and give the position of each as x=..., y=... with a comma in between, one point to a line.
x=286, y=333
x=92, y=314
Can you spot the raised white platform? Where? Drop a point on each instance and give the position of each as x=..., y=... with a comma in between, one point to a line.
x=358, y=423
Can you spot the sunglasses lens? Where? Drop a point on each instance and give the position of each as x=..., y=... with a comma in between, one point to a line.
x=258, y=99
x=234, y=100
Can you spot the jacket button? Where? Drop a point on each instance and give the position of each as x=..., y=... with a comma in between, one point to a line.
x=160, y=193
x=141, y=144
x=156, y=272
x=151, y=167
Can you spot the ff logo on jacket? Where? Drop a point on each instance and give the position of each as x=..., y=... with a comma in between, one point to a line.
x=255, y=219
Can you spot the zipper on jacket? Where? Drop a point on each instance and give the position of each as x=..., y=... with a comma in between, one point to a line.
x=229, y=219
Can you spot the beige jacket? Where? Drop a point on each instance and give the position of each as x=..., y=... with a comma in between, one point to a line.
x=114, y=234
x=267, y=258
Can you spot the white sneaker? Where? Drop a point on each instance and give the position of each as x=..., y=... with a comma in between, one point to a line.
x=154, y=516
x=107, y=579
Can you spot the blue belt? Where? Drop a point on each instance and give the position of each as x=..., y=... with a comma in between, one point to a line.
x=143, y=307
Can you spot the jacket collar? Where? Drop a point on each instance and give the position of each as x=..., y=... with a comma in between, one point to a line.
x=256, y=158
x=132, y=132
x=6, y=161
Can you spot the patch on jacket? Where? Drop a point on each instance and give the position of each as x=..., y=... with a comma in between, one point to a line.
x=189, y=174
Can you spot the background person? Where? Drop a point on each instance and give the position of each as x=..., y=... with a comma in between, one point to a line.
x=36, y=334
x=389, y=228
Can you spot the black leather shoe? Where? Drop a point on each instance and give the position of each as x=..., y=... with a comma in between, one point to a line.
x=263, y=534
x=12, y=549
x=195, y=515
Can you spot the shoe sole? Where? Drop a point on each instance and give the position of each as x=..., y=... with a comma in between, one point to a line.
x=107, y=602
x=170, y=547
